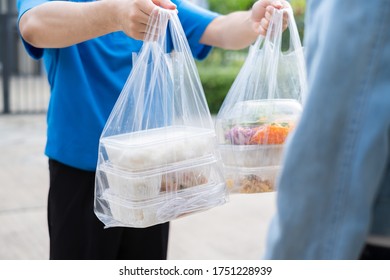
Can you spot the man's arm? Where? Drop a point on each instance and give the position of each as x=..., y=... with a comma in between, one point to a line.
x=238, y=30
x=58, y=24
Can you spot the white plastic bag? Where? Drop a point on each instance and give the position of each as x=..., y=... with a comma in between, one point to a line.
x=158, y=157
x=261, y=109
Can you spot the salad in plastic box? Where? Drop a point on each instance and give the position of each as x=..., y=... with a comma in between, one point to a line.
x=261, y=122
x=252, y=138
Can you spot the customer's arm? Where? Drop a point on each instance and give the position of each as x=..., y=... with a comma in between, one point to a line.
x=237, y=30
x=333, y=189
x=58, y=24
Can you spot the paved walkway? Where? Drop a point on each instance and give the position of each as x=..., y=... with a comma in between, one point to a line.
x=235, y=230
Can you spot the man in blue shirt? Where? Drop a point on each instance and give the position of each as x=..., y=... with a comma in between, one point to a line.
x=87, y=48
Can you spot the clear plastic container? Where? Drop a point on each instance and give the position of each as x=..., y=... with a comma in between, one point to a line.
x=157, y=148
x=150, y=184
x=251, y=141
x=165, y=208
x=251, y=155
x=259, y=122
x=251, y=180
x=153, y=176
x=128, y=185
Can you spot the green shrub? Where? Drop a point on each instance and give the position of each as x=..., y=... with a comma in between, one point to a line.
x=227, y=6
x=216, y=81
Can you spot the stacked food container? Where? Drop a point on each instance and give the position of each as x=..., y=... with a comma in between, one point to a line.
x=251, y=141
x=262, y=108
x=158, y=155
x=156, y=175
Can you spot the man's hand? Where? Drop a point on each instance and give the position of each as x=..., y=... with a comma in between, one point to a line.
x=59, y=24
x=133, y=15
x=262, y=12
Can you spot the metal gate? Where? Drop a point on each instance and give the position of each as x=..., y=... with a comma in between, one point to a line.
x=24, y=87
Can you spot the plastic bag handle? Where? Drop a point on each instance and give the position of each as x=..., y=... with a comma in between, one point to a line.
x=271, y=44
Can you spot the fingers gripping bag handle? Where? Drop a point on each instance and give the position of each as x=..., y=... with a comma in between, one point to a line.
x=158, y=151
x=262, y=107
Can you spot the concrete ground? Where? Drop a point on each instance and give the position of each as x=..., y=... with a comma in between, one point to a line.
x=235, y=230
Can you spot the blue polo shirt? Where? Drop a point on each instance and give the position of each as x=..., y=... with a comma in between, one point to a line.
x=87, y=78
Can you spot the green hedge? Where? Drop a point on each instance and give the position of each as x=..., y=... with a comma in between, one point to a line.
x=220, y=69
x=227, y=6
x=216, y=83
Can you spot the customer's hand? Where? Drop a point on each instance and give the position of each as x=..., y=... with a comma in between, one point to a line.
x=133, y=15
x=262, y=12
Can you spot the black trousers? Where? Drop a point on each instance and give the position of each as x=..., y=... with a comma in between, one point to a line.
x=77, y=234
x=372, y=252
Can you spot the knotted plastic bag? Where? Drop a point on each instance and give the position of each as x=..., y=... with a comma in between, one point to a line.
x=158, y=157
x=262, y=108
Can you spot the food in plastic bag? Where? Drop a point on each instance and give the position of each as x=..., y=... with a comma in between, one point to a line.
x=262, y=122
x=262, y=109
x=155, y=148
x=158, y=156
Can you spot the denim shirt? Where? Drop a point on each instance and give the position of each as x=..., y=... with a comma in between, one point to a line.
x=334, y=189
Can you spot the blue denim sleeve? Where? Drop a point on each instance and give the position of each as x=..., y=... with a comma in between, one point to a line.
x=335, y=165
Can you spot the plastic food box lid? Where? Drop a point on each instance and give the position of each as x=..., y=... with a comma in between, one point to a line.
x=211, y=188
x=251, y=155
x=248, y=112
x=279, y=106
x=205, y=161
x=231, y=148
x=250, y=170
x=140, y=139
